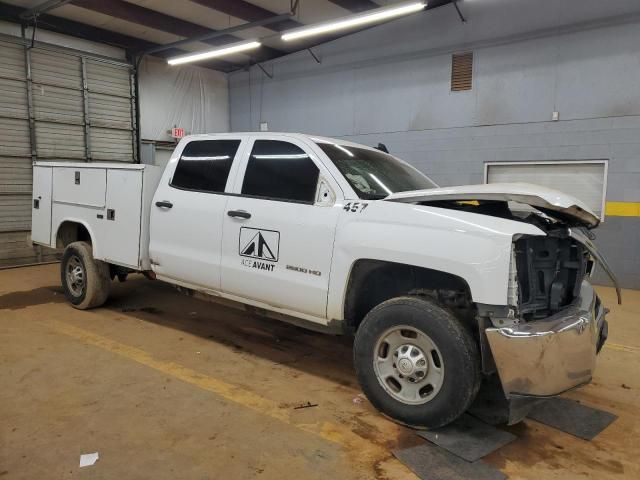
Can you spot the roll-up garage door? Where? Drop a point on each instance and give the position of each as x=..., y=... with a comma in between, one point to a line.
x=15, y=156
x=81, y=108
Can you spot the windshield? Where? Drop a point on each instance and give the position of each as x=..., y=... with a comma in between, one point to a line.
x=374, y=174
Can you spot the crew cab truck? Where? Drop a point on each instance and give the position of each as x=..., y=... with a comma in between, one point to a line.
x=441, y=287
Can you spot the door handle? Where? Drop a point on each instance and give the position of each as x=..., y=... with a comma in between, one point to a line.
x=164, y=204
x=239, y=214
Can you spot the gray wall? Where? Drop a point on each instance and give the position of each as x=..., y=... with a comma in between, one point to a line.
x=390, y=84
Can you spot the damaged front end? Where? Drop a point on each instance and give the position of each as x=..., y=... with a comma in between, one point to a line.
x=544, y=341
x=554, y=325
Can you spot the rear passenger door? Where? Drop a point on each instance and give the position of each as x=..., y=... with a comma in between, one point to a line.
x=278, y=238
x=187, y=213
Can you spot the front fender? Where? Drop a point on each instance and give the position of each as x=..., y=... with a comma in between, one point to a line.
x=474, y=247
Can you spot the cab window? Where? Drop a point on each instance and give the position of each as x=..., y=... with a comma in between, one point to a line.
x=280, y=171
x=204, y=165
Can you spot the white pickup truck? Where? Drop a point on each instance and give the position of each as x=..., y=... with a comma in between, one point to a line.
x=442, y=287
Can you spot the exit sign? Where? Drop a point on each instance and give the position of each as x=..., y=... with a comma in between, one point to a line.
x=177, y=132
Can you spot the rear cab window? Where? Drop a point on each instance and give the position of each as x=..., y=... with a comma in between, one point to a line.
x=204, y=165
x=280, y=170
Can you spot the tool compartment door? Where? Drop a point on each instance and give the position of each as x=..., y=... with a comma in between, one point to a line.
x=41, y=205
x=80, y=186
x=120, y=227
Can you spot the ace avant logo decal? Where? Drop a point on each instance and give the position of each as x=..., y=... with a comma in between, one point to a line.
x=259, y=244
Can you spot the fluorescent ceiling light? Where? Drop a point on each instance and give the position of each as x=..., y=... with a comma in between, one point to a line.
x=377, y=15
x=218, y=52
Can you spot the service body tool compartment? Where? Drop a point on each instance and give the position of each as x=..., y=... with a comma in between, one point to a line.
x=108, y=199
x=80, y=186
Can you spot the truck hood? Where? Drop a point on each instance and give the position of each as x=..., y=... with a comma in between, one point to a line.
x=552, y=202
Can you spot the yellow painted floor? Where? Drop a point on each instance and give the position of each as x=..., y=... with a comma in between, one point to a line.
x=168, y=387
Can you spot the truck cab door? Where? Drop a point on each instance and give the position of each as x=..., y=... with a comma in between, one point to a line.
x=188, y=209
x=279, y=228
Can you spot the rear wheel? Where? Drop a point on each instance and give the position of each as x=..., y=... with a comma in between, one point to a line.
x=416, y=362
x=85, y=281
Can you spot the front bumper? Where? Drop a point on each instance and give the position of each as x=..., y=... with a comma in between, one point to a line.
x=546, y=357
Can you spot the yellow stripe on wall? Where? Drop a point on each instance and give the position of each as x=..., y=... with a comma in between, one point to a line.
x=622, y=209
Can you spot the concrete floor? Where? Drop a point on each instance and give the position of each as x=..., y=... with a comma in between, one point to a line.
x=165, y=387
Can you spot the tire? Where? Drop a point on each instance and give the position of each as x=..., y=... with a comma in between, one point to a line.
x=416, y=362
x=85, y=281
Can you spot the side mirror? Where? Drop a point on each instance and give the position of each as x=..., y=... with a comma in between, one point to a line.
x=325, y=196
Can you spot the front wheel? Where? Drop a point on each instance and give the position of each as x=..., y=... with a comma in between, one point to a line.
x=85, y=281
x=416, y=362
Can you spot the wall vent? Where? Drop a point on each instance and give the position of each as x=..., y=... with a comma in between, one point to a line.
x=461, y=71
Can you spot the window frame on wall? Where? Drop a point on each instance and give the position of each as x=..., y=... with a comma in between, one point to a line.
x=604, y=162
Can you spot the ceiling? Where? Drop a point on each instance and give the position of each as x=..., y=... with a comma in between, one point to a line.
x=137, y=25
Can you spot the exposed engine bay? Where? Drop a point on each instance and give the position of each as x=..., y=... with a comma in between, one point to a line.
x=548, y=270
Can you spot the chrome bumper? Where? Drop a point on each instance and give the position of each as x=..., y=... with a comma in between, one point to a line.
x=546, y=357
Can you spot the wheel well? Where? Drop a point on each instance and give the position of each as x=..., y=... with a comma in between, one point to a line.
x=70, y=232
x=374, y=281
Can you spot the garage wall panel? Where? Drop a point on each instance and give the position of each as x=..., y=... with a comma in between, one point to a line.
x=12, y=63
x=109, y=111
x=110, y=144
x=15, y=175
x=16, y=212
x=14, y=139
x=55, y=104
x=111, y=79
x=59, y=140
x=13, y=98
x=16, y=249
x=58, y=104
x=53, y=68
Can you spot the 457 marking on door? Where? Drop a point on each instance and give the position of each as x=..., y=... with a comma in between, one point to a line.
x=355, y=207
